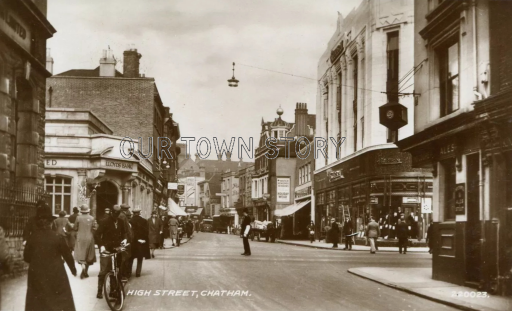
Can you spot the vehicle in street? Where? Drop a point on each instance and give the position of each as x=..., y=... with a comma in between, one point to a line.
x=259, y=230
x=220, y=224
x=113, y=287
x=207, y=225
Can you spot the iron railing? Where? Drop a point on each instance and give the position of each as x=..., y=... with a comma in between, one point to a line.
x=17, y=205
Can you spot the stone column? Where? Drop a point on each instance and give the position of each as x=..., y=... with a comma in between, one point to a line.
x=126, y=192
x=344, y=103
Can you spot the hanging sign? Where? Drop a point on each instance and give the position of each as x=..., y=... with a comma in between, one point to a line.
x=426, y=205
x=460, y=206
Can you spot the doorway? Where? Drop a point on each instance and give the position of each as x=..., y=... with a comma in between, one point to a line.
x=473, y=228
x=106, y=196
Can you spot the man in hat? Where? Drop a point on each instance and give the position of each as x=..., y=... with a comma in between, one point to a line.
x=126, y=255
x=107, y=213
x=111, y=233
x=140, y=249
x=246, y=228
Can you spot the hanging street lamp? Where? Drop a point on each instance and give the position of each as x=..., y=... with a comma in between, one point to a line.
x=233, y=82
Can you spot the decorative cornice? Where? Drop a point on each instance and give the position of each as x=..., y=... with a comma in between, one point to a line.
x=343, y=62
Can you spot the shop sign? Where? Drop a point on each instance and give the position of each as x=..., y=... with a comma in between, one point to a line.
x=51, y=162
x=214, y=201
x=12, y=25
x=335, y=175
x=181, y=189
x=460, y=206
x=410, y=200
x=447, y=150
x=283, y=190
x=303, y=192
x=426, y=205
x=172, y=186
x=374, y=200
x=117, y=165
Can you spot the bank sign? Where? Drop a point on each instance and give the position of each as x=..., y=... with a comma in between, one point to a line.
x=118, y=165
x=283, y=190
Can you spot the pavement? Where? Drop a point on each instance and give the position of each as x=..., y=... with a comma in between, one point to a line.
x=13, y=291
x=418, y=281
x=324, y=245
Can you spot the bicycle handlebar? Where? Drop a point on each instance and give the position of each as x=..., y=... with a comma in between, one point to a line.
x=117, y=250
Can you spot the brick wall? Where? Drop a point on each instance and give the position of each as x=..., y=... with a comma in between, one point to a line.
x=125, y=105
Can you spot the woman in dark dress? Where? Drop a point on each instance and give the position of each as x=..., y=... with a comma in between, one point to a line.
x=48, y=284
x=335, y=233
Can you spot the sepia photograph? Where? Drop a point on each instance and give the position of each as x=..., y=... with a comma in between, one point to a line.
x=222, y=155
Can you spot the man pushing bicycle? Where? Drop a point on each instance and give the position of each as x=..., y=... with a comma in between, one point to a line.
x=111, y=234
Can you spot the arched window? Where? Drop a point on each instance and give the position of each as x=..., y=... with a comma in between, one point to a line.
x=59, y=189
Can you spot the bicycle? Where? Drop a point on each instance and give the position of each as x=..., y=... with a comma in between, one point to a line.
x=113, y=287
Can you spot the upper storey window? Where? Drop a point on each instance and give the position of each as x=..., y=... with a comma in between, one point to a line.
x=449, y=77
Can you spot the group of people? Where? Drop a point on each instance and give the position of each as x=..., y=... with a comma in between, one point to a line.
x=402, y=231
x=48, y=239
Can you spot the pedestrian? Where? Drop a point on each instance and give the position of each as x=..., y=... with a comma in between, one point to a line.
x=190, y=228
x=5, y=257
x=111, y=234
x=61, y=226
x=246, y=228
x=31, y=227
x=402, y=234
x=126, y=254
x=155, y=229
x=47, y=282
x=106, y=213
x=72, y=233
x=140, y=249
x=372, y=233
x=173, y=229
x=270, y=232
x=311, y=229
x=85, y=253
x=165, y=229
x=430, y=240
x=334, y=233
x=348, y=229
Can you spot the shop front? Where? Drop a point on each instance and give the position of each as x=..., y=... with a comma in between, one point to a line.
x=379, y=184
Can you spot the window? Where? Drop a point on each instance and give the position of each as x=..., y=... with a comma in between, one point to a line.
x=449, y=77
x=449, y=188
x=392, y=52
x=59, y=189
x=354, y=104
x=338, y=102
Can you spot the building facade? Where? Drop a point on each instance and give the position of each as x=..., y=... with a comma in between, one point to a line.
x=84, y=165
x=24, y=30
x=245, y=184
x=366, y=65
x=462, y=124
x=273, y=180
x=107, y=92
x=230, y=193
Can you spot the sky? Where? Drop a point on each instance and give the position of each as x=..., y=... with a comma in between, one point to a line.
x=189, y=46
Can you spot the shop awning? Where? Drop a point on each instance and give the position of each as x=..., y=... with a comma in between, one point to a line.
x=175, y=210
x=292, y=209
x=198, y=211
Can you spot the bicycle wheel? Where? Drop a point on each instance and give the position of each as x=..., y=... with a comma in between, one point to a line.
x=113, y=291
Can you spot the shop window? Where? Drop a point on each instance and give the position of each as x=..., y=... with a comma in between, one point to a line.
x=59, y=189
x=449, y=77
x=449, y=180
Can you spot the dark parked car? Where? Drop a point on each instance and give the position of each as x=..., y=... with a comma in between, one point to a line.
x=207, y=225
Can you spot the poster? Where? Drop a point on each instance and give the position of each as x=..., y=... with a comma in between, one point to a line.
x=283, y=190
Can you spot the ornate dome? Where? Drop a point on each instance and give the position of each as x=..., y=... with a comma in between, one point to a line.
x=279, y=111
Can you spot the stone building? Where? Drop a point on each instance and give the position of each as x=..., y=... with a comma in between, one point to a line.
x=84, y=165
x=367, y=63
x=24, y=30
x=129, y=103
x=245, y=183
x=462, y=126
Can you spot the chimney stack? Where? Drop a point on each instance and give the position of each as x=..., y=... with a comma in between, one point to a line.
x=131, y=63
x=49, y=61
x=107, y=64
x=301, y=119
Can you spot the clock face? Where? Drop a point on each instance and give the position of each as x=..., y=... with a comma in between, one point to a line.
x=390, y=114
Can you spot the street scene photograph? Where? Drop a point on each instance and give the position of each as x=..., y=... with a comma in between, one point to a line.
x=267, y=155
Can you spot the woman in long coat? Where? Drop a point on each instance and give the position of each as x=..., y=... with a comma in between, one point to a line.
x=335, y=234
x=84, y=246
x=48, y=284
x=155, y=228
